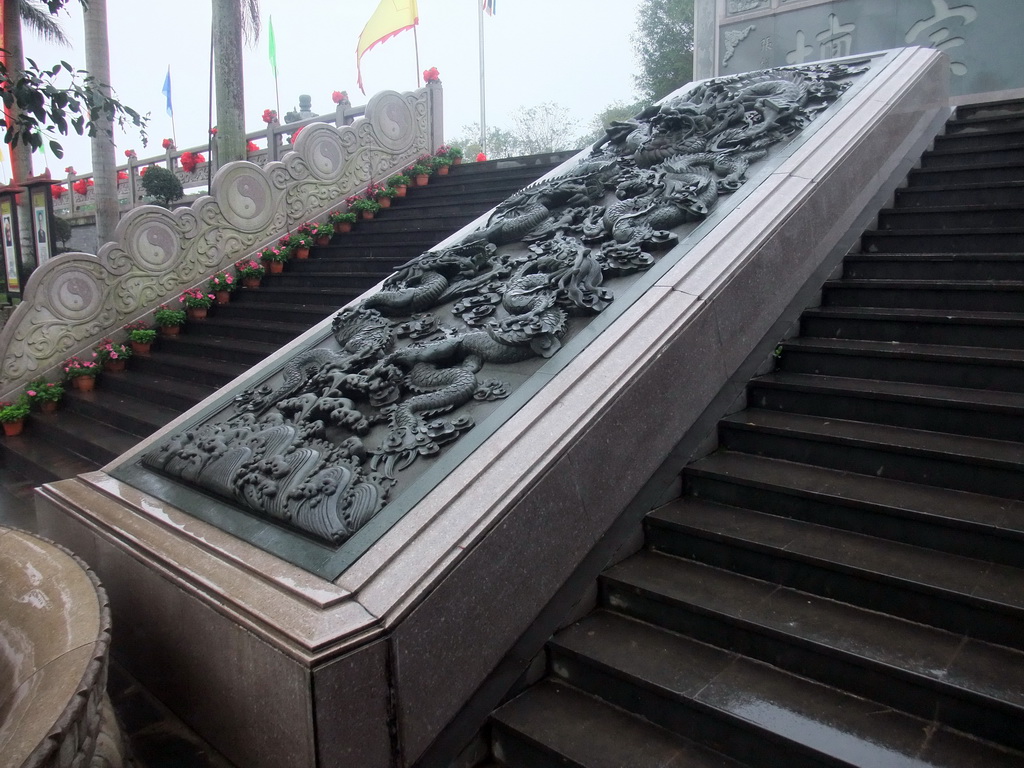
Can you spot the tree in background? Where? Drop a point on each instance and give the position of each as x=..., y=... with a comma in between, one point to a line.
x=664, y=47
x=232, y=20
x=542, y=128
x=616, y=111
x=163, y=185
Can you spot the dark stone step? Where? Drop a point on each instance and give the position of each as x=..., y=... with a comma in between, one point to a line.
x=93, y=439
x=345, y=265
x=1005, y=193
x=753, y=712
x=138, y=416
x=388, y=222
x=980, y=116
x=1004, y=240
x=981, y=295
x=271, y=307
x=960, y=462
x=554, y=725
x=307, y=296
x=960, y=217
x=981, y=174
x=1006, y=132
x=212, y=373
x=173, y=393
x=969, y=158
x=971, y=597
x=211, y=347
x=987, y=528
x=273, y=332
x=934, y=266
x=941, y=365
x=978, y=413
x=916, y=326
x=351, y=281
x=927, y=672
x=39, y=461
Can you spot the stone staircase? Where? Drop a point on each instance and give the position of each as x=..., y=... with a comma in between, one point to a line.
x=93, y=428
x=841, y=582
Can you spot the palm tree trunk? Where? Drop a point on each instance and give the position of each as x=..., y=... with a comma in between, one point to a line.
x=104, y=164
x=21, y=155
x=228, y=76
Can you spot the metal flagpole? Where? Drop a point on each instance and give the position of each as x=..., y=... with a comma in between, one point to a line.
x=416, y=40
x=483, y=98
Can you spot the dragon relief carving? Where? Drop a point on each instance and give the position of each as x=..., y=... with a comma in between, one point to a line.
x=324, y=449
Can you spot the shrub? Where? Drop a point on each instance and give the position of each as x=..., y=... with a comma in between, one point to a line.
x=163, y=185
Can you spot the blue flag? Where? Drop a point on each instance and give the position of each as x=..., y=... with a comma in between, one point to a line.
x=167, y=92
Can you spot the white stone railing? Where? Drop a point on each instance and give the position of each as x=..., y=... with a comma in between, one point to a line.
x=76, y=299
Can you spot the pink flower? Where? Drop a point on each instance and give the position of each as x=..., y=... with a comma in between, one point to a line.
x=31, y=393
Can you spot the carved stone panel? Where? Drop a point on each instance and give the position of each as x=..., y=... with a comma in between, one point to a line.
x=348, y=427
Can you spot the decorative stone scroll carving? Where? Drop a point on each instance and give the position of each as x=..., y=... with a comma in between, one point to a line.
x=76, y=299
x=322, y=445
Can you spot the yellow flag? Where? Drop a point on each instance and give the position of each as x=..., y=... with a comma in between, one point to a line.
x=390, y=18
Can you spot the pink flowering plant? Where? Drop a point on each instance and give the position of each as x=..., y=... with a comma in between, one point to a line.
x=222, y=281
x=42, y=391
x=194, y=298
x=167, y=317
x=76, y=366
x=276, y=253
x=108, y=349
x=15, y=411
x=250, y=268
x=341, y=217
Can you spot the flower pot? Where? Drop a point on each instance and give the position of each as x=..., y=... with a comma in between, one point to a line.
x=384, y=202
x=142, y=347
x=343, y=226
x=422, y=179
x=170, y=330
x=323, y=240
x=115, y=366
x=366, y=214
x=196, y=313
x=12, y=428
x=442, y=170
x=456, y=161
x=251, y=282
x=401, y=190
x=302, y=253
x=84, y=383
x=276, y=267
x=48, y=406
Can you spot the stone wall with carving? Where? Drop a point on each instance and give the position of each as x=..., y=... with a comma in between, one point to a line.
x=76, y=299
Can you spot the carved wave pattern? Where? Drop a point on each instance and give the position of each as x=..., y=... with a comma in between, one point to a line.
x=324, y=444
x=76, y=299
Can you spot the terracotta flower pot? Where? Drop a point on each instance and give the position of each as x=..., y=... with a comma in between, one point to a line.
x=384, y=202
x=196, y=313
x=84, y=383
x=422, y=179
x=456, y=161
x=366, y=214
x=115, y=366
x=401, y=190
x=223, y=297
x=323, y=240
x=12, y=428
x=442, y=170
x=302, y=253
x=49, y=406
x=251, y=282
x=142, y=347
x=170, y=330
x=276, y=267
x=342, y=227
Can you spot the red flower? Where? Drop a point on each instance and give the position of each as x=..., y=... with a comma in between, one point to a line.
x=70, y=171
x=121, y=176
x=142, y=171
x=269, y=116
x=213, y=131
x=339, y=96
x=167, y=144
x=481, y=157
x=189, y=161
x=252, y=147
x=129, y=153
x=431, y=75
x=295, y=135
x=58, y=191
x=80, y=187
x=89, y=181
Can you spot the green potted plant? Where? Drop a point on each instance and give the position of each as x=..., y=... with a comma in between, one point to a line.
x=82, y=373
x=342, y=220
x=441, y=164
x=13, y=416
x=45, y=395
x=275, y=256
x=324, y=232
x=196, y=303
x=420, y=171
x=169, y=320
x=400, y=183
x=141, y=340
x=365, y=207
x=163, y=185
x=113, y=354
x=221, y=285
x=250, y=272
x=382, y=193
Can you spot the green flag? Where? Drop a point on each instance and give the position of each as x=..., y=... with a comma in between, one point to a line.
x=273, y=48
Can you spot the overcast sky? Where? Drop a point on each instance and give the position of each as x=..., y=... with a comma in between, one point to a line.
x=575, y=54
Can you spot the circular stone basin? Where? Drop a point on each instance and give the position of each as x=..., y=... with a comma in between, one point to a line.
x=54, y=644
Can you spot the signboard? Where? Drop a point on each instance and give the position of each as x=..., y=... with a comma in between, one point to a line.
x=10, y=239
x=41, y=234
